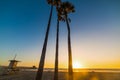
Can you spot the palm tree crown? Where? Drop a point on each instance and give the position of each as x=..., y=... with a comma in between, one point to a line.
x=66, y=7
x=54, y=2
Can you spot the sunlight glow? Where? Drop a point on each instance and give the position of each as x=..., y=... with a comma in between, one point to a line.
x=77, y=65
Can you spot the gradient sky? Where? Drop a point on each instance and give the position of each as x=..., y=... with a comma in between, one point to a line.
x=95, y=33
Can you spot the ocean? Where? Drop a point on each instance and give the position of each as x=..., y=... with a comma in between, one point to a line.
x=76, y=70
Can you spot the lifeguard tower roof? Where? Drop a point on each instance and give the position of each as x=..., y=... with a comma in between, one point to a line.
x=14, y=61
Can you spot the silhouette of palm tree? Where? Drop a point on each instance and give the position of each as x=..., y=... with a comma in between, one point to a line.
x=65, y=9
x=42, y=59
x=59, y=18
x=56, y=55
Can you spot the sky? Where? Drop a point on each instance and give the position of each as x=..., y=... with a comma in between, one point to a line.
x=95, y=30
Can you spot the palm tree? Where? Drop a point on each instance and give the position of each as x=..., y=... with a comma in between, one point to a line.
x=42, y=59
x=57, y=3
x=67, y=8
x=56, y=55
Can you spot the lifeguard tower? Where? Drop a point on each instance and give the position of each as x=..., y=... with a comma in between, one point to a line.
x=13, y=64
x=12, y=67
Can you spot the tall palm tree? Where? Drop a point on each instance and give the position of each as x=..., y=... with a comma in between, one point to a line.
x=66, y=8
x=56, y=55
x=57, y=4
x=42, y=59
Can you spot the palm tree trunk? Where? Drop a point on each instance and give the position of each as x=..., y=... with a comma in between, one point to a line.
x=42, y=59
x=56, y=56
x=70, y=69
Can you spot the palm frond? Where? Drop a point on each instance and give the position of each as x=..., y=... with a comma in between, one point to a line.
x=50, y=1
x=57, y=2
x=67, y=7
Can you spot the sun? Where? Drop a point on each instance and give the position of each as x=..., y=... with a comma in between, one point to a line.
x=77, y=65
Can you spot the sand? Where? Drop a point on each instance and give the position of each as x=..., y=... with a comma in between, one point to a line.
x=30, y=75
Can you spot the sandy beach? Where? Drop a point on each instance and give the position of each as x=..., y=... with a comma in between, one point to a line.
x=48, y=75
